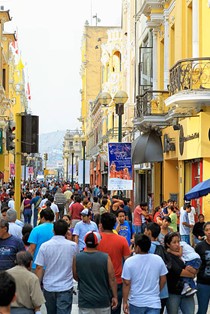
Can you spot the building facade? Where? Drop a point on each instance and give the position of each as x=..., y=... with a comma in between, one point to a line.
x=173, y=89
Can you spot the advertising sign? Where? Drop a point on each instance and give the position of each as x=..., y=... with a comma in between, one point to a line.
x=120, y=166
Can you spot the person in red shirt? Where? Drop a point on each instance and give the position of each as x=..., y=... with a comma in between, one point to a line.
x=75, y=211
x=118, y=251
x=4, y=196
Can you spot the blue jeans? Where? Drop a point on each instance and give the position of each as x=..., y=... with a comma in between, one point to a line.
x=35, y=217
x=203, y=295
x=27, y=213
x=142, y=310
x=186, y=304
x=59, y=302
x=137, y=229
x=195, y=263
x=185, y=238
x=119, y=297
x=21, y=310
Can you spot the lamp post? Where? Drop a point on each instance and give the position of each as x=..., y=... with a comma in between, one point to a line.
x=72, y=167
x=83, y=168
x=119, y=99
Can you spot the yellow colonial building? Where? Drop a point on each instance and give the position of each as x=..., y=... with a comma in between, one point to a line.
x=105, y=69
x=171, y=153
x=12, y=92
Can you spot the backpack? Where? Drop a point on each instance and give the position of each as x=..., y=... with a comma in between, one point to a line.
x=164, y=255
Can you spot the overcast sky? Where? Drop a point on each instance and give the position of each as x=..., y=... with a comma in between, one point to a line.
x=49, y=36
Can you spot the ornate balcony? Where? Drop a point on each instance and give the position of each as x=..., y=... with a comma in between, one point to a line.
x=189, y=86
x=150, y=110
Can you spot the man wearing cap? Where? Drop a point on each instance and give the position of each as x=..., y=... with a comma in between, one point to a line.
x=83, y=227
x=98, y=275
x=14, y=229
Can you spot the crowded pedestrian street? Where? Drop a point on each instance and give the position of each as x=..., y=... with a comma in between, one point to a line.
x=105, y=157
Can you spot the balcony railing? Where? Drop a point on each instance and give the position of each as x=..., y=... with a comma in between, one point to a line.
x=151, y=103
x=190, y=74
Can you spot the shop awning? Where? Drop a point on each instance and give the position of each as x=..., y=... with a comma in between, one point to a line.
x=147, y=148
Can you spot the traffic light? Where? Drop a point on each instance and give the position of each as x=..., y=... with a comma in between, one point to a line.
x=10, y=136
x=45, y=156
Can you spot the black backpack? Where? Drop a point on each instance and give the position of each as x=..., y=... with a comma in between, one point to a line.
x=163, y=254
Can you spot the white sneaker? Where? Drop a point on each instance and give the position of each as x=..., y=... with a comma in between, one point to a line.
x=186, y=289
x=191, y=292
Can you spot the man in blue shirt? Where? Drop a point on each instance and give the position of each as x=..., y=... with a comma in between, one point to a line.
x=41, y=233
x=124, y=228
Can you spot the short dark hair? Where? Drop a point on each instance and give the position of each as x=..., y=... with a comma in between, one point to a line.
x=143, y=242
x=24, y=258
x=154, y=228
x=143, y=204
x=126, y=201
x=95, y=199
x=7, y=288
x=50, y=198
x=78, y=199
x=104, y=202
x=167, y=218
x=108, y=221
x=60, y=227
x=4, y=223
x=121, y=211
x=48, y=203
x=47, y=214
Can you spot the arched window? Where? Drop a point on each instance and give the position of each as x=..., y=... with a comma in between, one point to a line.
x=117, y=61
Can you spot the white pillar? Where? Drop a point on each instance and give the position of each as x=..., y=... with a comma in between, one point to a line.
x=155, y=60
x=166, y=52
x=195, y=29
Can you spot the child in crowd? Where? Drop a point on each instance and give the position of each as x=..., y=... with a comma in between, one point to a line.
x=191, y=258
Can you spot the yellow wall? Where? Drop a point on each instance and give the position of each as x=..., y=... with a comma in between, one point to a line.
x=206, y=199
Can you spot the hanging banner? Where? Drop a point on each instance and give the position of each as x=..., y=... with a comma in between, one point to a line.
x=120, y=167
x=87, y=172
x=12, y=170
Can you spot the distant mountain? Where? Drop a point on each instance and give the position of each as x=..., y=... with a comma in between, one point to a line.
x=52, y=143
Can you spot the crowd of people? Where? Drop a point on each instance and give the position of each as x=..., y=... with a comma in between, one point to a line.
x=137, y=259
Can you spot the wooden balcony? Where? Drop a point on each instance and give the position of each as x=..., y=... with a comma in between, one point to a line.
x=189, y=86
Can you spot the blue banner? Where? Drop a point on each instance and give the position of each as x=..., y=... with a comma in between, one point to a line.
x=120, y=167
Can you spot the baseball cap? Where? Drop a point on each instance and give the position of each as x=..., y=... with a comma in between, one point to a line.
x=92, y=238
x=85, y=212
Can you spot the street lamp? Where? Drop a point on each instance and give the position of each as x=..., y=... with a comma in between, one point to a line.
x=66, y=157
x=83, y=153
x=72, y=167
x=119, y=99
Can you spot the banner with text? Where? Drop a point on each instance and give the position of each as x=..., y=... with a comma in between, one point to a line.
x=120, y=167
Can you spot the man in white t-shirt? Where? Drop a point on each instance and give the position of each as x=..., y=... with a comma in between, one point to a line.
x=141, y=278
